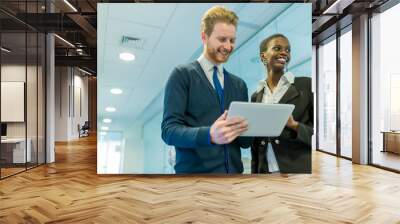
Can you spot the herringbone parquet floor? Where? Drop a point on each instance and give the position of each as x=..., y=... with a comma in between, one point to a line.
x=70, y=191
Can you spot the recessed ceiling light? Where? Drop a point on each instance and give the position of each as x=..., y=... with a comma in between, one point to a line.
x=110, y=109
x=104, y=128
x=126, y=56
x=107, y=120
x=103, y=133
x=116, y=91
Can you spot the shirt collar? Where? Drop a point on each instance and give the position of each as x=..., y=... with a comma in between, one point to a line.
x=208, y=65
x=288, y=77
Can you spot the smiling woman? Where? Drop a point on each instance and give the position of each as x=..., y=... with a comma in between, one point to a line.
x=291, y=151
x=172, y=38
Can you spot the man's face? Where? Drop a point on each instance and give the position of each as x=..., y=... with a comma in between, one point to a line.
x=221, y=42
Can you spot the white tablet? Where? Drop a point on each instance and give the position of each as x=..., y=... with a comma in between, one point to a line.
x=265, y=120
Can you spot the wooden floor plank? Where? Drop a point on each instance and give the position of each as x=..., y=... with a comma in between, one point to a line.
x=70, y=191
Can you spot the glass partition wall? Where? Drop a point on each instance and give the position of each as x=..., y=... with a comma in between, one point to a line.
x=327, y=96
x=385, y=89
x=346, y=93
x=334, y=92
x=334, y=110
x=13, y=109
x=22, y=87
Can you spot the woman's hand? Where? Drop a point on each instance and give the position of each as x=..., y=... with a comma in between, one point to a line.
x=292, y=124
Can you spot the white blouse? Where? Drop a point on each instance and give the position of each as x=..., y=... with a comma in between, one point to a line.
x=274, y=97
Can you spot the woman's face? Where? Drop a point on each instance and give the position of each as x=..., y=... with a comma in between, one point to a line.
x=277, y=54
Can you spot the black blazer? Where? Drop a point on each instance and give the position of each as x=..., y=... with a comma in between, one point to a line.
x=292, y=150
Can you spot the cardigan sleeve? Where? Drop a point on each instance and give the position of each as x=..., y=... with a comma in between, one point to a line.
x=174, y=129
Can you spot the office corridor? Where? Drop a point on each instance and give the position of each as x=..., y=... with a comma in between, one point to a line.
x=70, y=191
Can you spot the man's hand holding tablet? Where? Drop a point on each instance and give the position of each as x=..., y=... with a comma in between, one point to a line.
x=264, y=120
x=224, y=130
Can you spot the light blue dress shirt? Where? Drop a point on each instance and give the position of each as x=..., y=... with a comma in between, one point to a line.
x=208, y=68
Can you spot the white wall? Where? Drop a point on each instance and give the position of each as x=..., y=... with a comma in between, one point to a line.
x=80, y=104
x=33, y=126
x=156, y=155
x=133, y=156
x=61, y=103
x=71, y=93
x=13, y=73
x=16, y=73
x=80, y=118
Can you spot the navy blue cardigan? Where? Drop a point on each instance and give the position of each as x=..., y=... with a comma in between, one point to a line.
x=191, y=106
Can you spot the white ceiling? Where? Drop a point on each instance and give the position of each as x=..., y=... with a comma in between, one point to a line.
x=171, y=34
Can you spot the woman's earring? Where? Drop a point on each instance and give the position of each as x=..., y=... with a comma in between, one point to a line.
x=264, y=62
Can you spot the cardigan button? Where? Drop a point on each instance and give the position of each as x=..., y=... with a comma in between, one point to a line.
x=262, y=142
